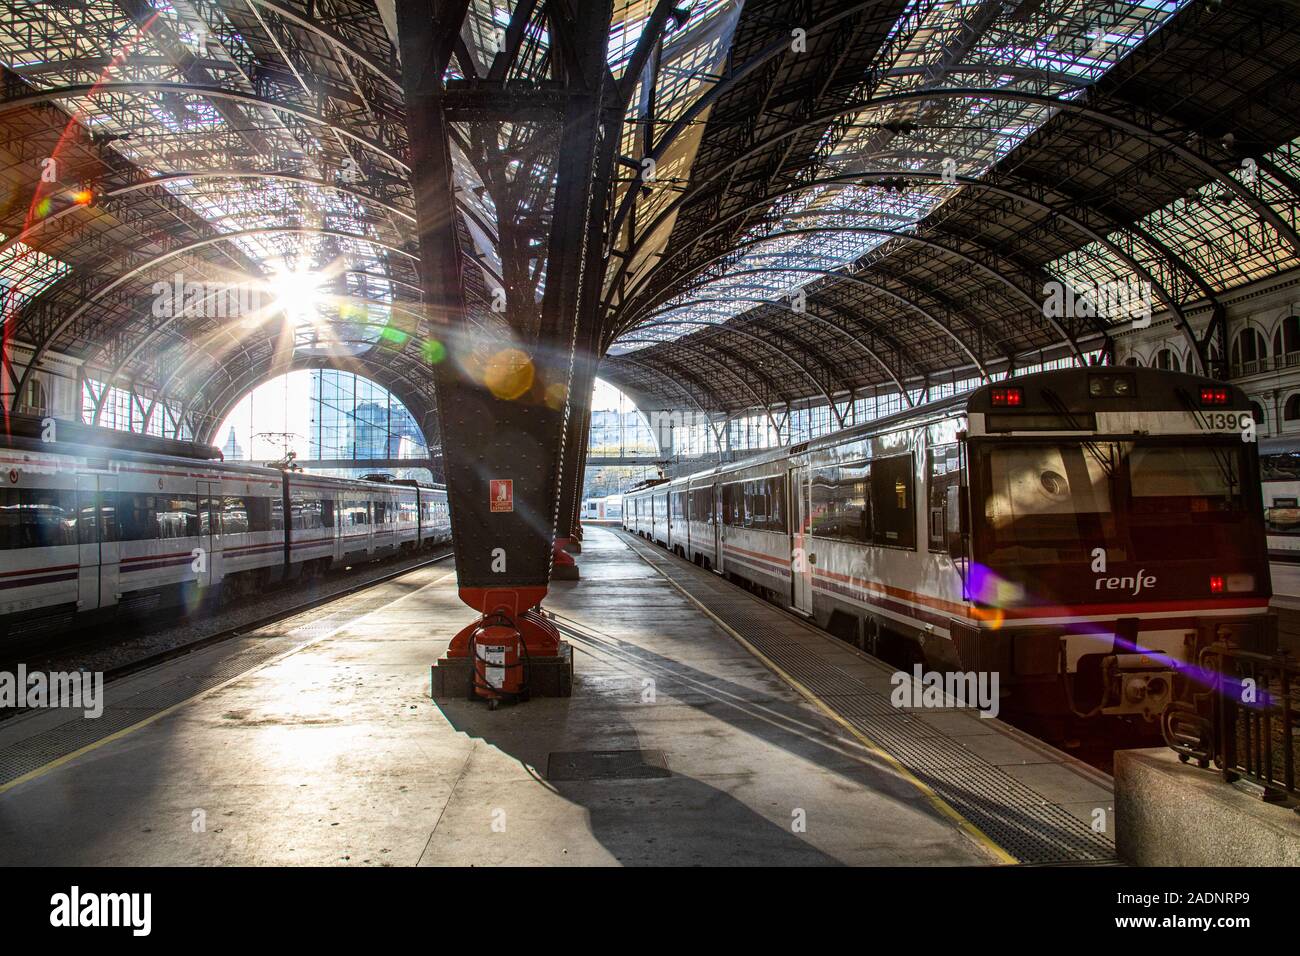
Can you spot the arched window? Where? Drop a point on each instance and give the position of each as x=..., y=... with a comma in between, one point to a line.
x=1132, y=361
x=1286, y=340
x=1257, y=414
x=1168, y=359
x=1291, y=410
x=326, y=414
x=1248, y=352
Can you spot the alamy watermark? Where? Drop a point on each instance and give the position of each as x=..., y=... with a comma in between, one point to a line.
x=75, y=908
x=1117, y=300
x=206, y=300
x=78, y=690
x=935, y=689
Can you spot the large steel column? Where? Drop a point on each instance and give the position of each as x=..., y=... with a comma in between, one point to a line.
x=505, y=381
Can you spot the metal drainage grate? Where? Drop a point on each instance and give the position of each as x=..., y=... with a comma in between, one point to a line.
x=607, y=765
x=35, y=752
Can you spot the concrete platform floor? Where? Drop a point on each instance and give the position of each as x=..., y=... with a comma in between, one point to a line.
x=333, y=754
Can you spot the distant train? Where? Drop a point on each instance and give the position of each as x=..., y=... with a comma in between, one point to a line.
x=1080, y=532
x=609, y=508
x=88, y=532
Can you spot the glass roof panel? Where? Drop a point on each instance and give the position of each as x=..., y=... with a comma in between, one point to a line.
x=1055, y=49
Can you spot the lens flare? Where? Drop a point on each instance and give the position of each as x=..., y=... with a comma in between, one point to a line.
x=509, y=374
x=433, y=351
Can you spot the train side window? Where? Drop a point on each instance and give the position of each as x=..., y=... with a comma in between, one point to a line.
x=776, y=504
x=11, y=520
x=176, y=516
x=135, y=517
x=943, y=473
x=234, y=515
x=841, y=505
x=38, y=517
x=893, y=502
x=259, y=514
x=327, y=512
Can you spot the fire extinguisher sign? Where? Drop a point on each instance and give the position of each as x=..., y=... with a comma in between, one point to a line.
x=502, y=492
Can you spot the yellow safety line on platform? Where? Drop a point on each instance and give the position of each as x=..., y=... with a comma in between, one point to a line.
x=985, y=842
x=118, y=735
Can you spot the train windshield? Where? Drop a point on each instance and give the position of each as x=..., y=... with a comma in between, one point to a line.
x=1057, y=503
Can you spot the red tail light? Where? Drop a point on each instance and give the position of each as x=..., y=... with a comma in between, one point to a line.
x=1214, y=395
x=1216, y=583
x=1008, y=397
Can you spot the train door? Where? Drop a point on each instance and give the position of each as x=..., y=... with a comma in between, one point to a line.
x=715, y=503
x=88, y=525
x=109, y=554
x=719, y=514
x=208, y=567
x=802, y=557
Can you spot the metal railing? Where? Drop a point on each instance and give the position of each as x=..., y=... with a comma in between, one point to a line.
x=1275, y=363
x=1240, y=713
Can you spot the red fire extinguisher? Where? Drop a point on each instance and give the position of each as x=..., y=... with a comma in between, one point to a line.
x=500, y=660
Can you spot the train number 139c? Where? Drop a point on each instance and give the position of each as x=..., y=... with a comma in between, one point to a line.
x=1226, y=421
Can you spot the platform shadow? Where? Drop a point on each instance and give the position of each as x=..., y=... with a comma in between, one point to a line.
x=670, y=820
x=781, y=722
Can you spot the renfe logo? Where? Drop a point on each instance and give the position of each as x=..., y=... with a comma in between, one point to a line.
x=103, y=909
x=1136, y=582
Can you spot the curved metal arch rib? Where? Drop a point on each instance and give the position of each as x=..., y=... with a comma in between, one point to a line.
x=43, y=347
x=1033, y=304
x=82, y=90
x=712, y=359
x=269, y=364
x=234, y=391
x=1099, y=116
x=717, y=327
x=334, y=39
x=645, y=366
x=200, y=349
x=888, y=293
x=201, y=174
x=893, y=373
x=973, y=183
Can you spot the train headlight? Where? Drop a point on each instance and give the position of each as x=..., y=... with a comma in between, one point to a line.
x=1105, y=386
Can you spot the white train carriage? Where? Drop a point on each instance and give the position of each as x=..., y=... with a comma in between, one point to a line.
x=1082, y=533
x=434, y=515
x=87, y=531
x=241, y=530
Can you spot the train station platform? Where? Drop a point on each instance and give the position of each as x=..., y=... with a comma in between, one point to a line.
x=706, y=727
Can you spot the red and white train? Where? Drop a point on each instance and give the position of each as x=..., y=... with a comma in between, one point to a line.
x=1080, y=532
x=88, y=531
